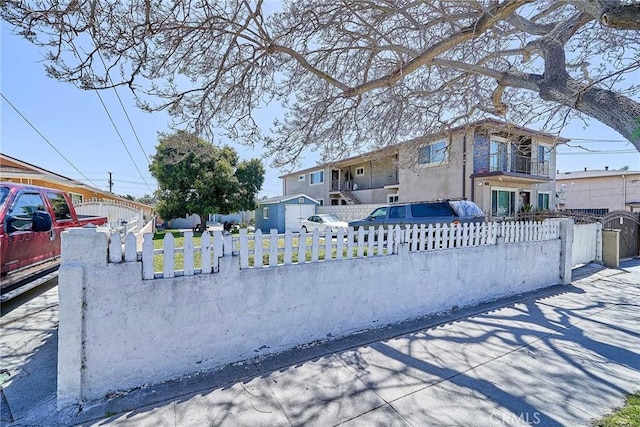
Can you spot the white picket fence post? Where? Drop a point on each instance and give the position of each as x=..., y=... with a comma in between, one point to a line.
x=328, y=244
x=302, y=247
x=258, y=249
x=205, y=253
x=288, y=247
x=371, y=242
x=273, y=248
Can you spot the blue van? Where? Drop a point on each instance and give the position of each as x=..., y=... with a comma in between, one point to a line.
x=442, y=211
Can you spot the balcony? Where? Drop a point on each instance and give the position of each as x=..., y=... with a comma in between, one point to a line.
x=515, y=166
x=380, y=179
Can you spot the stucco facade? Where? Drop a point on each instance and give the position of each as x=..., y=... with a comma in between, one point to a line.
x=600, y=189
x=502, y=167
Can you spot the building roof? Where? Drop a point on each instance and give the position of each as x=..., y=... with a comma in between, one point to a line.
x=489, y=124
x=280, y=199
x=28, y=170
x=593, y=174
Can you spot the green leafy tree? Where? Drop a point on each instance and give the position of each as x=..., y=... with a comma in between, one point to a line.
x=148, y=199
x=195, y=176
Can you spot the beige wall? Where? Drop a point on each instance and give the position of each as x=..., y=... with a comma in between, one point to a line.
x=426, y=182
x=429, y=182
x=318, y=191
x=604, y=192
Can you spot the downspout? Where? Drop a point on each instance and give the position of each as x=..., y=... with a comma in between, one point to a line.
x=464, y=167
x=624, y=193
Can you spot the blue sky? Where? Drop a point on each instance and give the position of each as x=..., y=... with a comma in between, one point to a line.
x=76, y=124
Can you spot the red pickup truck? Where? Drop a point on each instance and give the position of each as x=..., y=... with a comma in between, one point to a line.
x=32, y=219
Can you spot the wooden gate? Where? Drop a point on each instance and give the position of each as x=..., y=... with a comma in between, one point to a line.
x=629, y=225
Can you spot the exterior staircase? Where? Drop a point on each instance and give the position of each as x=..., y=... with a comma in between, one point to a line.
x=351, y=198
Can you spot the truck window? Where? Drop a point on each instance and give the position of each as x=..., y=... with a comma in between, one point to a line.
x=60, y=207
x=23, y=208
x=379, y=213
x=425, y=210
x=4, y=192
x=396, y=212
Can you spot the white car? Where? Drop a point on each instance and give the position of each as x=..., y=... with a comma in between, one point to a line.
x=322, y=222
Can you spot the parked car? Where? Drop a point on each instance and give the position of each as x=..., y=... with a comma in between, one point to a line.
x=445, y=211
x=32, y=219
x=322, y=222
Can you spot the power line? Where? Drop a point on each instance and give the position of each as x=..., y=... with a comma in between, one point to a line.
x=124, y=144
x=583, y=153
x=115, y=126
x=146, y=156
x=46, y=140
x=597, y=140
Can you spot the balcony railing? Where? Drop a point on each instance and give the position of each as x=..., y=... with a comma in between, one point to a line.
x=515, y=163
x=389, y=178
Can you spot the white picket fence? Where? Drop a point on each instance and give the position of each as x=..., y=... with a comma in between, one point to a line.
x=270, y=250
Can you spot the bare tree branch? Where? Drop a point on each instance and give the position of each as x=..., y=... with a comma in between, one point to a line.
x=352, y=75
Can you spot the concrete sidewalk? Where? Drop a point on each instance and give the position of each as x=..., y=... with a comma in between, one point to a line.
x=560, y=356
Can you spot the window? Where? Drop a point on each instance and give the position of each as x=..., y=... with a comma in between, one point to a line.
x=301, y=200
x=544, y=160
x=498, y=155
x=543, y=201
x=76, y=199
x=316, y=178
x=4, y=192
x=265, y=212
x=301, y=177
x=23, y=209
x=60, y=206
x=503, y=202
x=359, y=171
x=432, y=154
x=426, y=210
x=379, y=213
x=321, y=201
x=392, y=198
x=544, y=154
x=397, y=211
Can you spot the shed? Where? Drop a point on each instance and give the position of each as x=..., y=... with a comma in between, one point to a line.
x=284, y=212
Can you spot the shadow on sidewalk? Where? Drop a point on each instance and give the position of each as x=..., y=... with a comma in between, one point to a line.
x=562, y=342
x=560, y=328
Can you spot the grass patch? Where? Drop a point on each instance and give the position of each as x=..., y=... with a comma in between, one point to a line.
x=627, y=416
x=179, y=243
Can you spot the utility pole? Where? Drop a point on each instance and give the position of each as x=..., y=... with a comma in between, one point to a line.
x=110, y=182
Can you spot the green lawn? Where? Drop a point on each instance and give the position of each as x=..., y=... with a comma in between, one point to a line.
x=627, y=416
x=179, y=243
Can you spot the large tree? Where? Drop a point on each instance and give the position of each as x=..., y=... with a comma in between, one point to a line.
x=195, y=176
x=350, y=74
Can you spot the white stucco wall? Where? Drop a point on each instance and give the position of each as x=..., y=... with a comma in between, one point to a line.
x=118, y=331
x=349, y=212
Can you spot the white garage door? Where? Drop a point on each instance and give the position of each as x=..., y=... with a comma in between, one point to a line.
x=294, y=213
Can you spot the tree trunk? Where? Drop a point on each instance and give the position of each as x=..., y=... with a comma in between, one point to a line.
x=620, y=113
x=203, y=223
